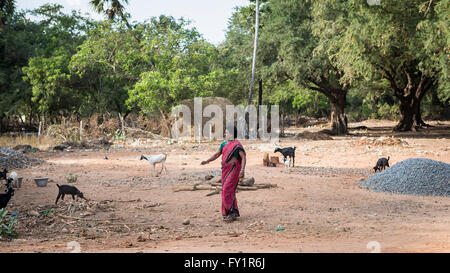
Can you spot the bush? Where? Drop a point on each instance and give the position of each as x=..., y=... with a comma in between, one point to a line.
x=7, y=224
x=72, y=178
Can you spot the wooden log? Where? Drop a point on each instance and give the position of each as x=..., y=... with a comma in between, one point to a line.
x=78, y=218
x=196, y=187
x=217, y=191
x=265, y=186
x=246, y=188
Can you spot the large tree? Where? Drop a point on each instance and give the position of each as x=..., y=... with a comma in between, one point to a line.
x=182, y=67
x=299, y=58
x=388, y=40
x=54, y=89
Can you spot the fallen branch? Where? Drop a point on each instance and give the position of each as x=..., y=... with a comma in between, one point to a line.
x=78, y=218
x=217, y=191
x=246, y=188
x=134, y=200
x=265, y=186
x=195, y=187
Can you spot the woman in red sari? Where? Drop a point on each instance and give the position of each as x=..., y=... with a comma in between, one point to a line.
x=233, y=168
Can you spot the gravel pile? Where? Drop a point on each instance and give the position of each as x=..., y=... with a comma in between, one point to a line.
x=12, y=159
x=414, y=176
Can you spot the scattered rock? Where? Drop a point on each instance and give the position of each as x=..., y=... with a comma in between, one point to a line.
x=143, y=237
x=33, y=213
x=12, y=159
x=186, y=222
x=381, y=141
x=26, y=149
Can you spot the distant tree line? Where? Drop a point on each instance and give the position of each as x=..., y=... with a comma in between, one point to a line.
x=316, y=58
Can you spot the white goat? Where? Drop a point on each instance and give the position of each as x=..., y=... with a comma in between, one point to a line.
x=14, y=175
x=287, y=163
x=153, y=159
x=12, y=178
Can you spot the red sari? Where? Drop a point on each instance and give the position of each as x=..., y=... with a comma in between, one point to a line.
x=230, y=177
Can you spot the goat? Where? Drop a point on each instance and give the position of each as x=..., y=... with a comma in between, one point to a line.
x=287, y=163
x=8, y=182
x=67, y=189
x=3, y=174
x=382, y=163
x=4, y=198
x=289, y=151
x=154, y=159
x=12, y=177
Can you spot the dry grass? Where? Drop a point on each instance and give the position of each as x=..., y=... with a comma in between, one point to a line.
x=42, y=143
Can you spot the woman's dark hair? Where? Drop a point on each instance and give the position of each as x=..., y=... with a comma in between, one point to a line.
x=232, y=131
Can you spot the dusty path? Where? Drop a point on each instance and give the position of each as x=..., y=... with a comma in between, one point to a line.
x=318, y=204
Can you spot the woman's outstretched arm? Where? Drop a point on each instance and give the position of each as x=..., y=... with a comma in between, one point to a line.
x=212, y=158
x=244, y=162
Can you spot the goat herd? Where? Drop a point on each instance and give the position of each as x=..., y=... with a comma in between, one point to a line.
x=381, y=164
x=4, y=198
x=66, y=189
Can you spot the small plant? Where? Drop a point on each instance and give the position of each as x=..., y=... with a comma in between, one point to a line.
x=119, y=135
x=7, y=224
x=72, y=178
x=47, y=212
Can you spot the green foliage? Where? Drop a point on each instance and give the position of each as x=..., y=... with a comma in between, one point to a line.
x=182, y=68
x=310, y=54
x=7, y=224
x=106, y=65
x=47, y=212
x=72, y=178
x=311, y=103
x=386, y=40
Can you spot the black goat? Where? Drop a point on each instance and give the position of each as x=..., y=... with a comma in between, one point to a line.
x=382, y=163
x=4, y=198
x=289, y=151
x=3, y=174
x=67, y=189
x=8, y=182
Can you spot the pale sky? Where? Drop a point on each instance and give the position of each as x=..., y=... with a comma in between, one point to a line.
x=209, y=17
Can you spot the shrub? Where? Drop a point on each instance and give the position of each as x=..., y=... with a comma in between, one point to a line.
x=7, y=224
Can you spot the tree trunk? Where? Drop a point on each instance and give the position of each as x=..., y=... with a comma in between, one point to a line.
x=408, y=109
x=410, y=115
x=419, y=120
x=260, y=91
x=409, y=96
x=337, y=97
x=410, y=99
x=338, y=124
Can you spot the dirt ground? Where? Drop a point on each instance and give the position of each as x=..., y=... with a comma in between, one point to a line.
x=317, y=206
